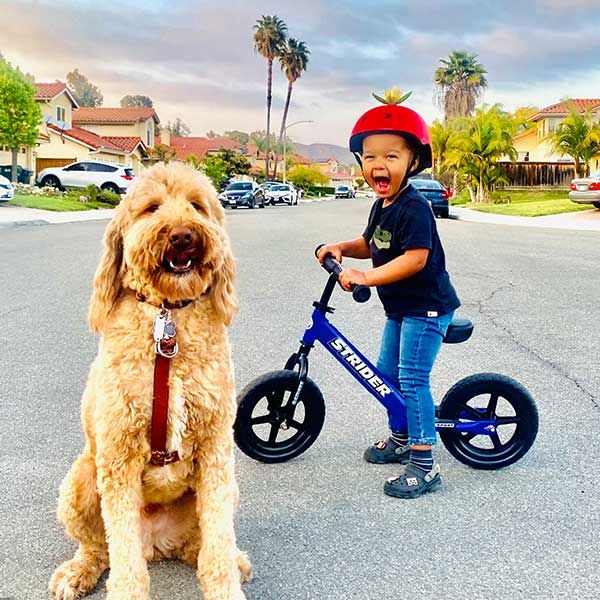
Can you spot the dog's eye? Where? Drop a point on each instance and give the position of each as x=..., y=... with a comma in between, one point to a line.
x=152, y=208
x=199, y=208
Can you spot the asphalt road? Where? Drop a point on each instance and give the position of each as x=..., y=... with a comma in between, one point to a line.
x=320, y=527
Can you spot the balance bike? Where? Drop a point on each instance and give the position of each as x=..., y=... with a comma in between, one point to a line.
x=486, y=421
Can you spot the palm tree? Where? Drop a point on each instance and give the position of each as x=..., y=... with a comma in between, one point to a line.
x=293, y=60
x=577, y=136
x=479, y=143
x=460, y=83
x=440, y=144
x=269, y=39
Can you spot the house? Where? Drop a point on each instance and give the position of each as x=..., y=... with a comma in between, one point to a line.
x=182, y=148
x=68, y=133
x=334, y=171
x=533, y=145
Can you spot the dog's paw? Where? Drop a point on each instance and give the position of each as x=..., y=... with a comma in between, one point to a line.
x=73, y=579
x=245, y=567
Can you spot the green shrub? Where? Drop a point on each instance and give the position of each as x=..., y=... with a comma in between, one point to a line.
x=109, y=197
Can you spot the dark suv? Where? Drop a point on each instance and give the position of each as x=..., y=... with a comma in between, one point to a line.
x=243, y=193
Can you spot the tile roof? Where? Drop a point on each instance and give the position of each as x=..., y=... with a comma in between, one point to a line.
x=87, y=137
x=561, y=108
x=129, y=144
x=49, y=91
x=198, y=147
x=130, y=114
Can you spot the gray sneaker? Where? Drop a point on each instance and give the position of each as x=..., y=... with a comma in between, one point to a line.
x=413, y=482
x=387, y=451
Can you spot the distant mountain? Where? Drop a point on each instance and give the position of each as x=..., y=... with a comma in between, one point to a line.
x=318, y=151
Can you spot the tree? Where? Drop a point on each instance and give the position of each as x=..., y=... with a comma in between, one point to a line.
x=223, y=165
x=211, y=135
x=237, y=136
x=293, y=61
x=178, y=128
x=522, y=115
x=85, y=92
x=360, y=182
x=137, y=100
x=269, y=39
x=304, y=176
x=214, y=168
x=577, y=136
x=440, y=144
x=477, y=145
x=162, y=153
x=20, y=114
x=235, y=163
x=460, y=83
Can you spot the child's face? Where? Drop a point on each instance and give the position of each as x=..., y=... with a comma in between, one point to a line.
x=385, y=161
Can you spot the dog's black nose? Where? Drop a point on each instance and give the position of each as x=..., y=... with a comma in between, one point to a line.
x=181, y=237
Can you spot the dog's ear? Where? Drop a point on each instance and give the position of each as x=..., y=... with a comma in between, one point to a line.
x=107, y=281
x=222, y=292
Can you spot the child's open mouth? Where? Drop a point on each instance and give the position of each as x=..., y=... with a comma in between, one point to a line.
x=382, y=185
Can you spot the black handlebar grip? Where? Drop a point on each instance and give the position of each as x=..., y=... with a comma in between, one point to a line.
x=360, y=293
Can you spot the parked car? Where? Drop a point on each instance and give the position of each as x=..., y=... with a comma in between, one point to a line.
x=424, y=175
x=107, y=176
x=282, y=192
x=586, y=190
x=344, y=191
x=267, y=185
x=243, y=193
x=7, y=191
x=23, y=174
x=435, y=192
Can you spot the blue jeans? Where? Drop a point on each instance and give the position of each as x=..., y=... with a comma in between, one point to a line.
x=408, y=350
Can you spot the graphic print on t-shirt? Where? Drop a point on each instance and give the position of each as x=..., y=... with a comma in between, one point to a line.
x=382, y=238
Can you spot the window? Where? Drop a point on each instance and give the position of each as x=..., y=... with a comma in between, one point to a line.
x=239, y=186
x=99, y=168
x=76, y=167
x=61, y=113
x=150, y=135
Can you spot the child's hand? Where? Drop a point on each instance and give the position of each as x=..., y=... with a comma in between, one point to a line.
x=333, y=249
x=350, y=277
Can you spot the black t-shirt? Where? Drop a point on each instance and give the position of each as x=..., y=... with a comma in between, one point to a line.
x=407, y=224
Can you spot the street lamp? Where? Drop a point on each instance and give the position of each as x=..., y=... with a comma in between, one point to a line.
x=284, y=144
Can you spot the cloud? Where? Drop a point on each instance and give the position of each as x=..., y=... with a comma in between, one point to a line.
x=196, y=59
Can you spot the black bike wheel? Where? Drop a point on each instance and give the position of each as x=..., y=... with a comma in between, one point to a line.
x=489, y=396
x=268, y=428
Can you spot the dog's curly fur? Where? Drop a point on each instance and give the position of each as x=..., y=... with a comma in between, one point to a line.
x=121, y=510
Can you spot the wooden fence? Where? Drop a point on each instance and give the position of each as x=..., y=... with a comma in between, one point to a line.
x=537, y=174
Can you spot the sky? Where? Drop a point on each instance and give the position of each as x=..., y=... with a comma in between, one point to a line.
x=195, y=58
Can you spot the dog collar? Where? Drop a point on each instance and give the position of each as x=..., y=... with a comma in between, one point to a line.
x=165, y=303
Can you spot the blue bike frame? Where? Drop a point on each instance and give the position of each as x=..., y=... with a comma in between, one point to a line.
x=375, y=382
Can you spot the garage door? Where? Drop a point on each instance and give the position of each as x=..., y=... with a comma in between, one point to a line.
x=44, y=163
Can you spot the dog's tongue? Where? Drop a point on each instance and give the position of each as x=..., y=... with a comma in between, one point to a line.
x=180, y=257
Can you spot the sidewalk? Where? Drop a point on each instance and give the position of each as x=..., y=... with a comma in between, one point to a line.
x=587, y=220
x=13, y=216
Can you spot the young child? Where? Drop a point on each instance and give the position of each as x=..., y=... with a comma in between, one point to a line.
x=392, y=143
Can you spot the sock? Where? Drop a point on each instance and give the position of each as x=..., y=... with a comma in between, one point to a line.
x=422, y=459
x=399, y=438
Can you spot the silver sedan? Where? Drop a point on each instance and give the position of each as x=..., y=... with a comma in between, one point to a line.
x=586, y=190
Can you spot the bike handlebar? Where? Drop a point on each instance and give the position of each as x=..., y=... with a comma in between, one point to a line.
x=360, y=293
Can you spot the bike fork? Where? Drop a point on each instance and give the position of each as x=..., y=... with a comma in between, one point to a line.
x=299, y=359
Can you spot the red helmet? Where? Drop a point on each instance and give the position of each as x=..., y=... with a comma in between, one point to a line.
x=393, y=118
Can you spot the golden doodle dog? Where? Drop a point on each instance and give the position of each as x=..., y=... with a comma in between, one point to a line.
x=166, y=246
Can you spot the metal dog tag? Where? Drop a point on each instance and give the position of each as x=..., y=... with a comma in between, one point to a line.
x=169, y=331
x=160, y=323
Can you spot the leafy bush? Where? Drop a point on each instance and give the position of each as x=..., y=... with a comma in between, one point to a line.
x=93, y=193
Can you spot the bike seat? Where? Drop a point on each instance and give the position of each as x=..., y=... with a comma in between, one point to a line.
x=459, y=331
